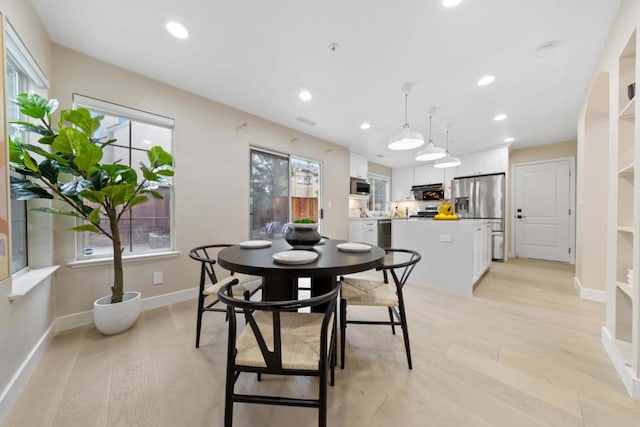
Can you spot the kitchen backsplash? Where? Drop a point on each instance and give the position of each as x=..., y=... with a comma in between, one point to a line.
x=356, y=204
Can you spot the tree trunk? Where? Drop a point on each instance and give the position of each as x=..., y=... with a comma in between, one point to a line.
x=118, y=282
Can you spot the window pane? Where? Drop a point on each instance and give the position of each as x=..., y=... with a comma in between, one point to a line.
x=147, y=227
x=269, y=195
x=305, y=189
x=145, y=136
x=379, y=196
x=16, y=84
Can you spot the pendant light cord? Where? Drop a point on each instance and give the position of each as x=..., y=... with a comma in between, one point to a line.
x=406, y=122
x=429, y=127
x=448, y=143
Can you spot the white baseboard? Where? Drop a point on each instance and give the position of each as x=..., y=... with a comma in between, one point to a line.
x=75, y=320
x=24, y=372
x=588, y=293
x=631, y=382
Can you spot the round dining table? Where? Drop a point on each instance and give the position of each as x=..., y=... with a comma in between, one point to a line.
x=280, y=281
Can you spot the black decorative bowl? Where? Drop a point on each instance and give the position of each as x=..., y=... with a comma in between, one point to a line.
x=302, y=236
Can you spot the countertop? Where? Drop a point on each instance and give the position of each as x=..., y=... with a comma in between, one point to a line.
x=375, y=218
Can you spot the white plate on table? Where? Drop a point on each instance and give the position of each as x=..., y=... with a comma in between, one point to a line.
x=353, y=247
x=255, y=244
x=295, y=257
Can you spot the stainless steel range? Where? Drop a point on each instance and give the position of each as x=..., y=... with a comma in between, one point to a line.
x=428, y=212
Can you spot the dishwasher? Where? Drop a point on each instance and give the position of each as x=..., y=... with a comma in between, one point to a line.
x=384, y=233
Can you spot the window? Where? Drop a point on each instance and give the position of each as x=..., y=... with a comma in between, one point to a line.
x=22, y=74
x=282, y=188
x=146, y=228
x=17, y=82
x=379, y=193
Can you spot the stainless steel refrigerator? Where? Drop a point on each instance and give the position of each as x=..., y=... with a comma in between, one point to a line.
x=483, y=197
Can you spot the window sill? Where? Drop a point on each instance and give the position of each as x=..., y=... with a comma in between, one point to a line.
x=22, y=284
x=125, y=259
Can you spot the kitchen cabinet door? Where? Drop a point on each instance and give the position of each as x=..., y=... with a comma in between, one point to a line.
x=493, y=161
x=427, y=174
x=401, y=182
x=358, y=165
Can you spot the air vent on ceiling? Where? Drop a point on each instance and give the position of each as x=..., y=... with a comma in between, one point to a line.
x=306, y=121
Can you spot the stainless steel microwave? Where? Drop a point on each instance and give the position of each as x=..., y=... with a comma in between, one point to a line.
x=360, y=187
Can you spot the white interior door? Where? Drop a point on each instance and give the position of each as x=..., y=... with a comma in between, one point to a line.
x=542, y=203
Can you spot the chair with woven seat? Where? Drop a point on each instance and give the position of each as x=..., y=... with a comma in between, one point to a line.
x=279, y=340
x=365, y=292
x=247, y=285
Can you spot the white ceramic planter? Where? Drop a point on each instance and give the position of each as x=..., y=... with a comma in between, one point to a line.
x=111, y=319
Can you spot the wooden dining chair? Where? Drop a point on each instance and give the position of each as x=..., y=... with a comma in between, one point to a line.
x=209, y=283
x=364, y=292
x=279, y=340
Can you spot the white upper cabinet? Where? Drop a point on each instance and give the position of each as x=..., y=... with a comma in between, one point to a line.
x=483, y=162
x=401, y=182
x=358, y=165
x=427, y=174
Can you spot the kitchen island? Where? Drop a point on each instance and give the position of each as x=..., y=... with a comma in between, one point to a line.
x=455, y=254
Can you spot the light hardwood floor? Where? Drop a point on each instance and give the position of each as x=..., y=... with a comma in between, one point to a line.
x=524, y=351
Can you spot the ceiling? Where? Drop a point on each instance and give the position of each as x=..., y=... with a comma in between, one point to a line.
x=257, y=55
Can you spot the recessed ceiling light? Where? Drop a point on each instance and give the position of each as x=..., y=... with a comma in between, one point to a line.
x=500, y=117
x=365, y=126
x=451, y=3
x=305, y=95
x=510, y=139
x=486, y=80
x=177, y=30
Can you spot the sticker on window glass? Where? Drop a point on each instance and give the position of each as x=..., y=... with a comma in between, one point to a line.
x=87, y=251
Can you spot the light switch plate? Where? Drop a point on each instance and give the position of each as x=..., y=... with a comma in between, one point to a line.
x=445, y=238
x=157, y=277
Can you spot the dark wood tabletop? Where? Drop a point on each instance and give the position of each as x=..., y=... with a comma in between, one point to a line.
x=330, y=261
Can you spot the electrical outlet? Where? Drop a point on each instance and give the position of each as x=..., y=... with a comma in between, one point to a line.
x=157, y=277
x=445, y=238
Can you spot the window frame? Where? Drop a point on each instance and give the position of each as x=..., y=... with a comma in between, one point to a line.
x=132, y=115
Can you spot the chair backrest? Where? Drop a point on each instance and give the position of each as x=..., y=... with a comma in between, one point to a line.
x=400, y=271
x=201, y=254
x=273, y=358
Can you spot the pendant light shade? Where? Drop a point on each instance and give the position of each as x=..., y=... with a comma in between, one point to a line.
x=406, y=140
x=448, y=161
x=430, y=152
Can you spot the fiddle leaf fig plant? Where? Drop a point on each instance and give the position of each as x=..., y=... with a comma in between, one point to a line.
x=66, y=165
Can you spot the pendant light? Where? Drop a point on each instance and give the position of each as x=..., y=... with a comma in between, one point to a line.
x=449, y=161
x=406, y=140
x=430, y=152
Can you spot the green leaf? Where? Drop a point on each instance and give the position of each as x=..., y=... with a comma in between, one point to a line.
x=44, y=153
x=57, y=212
x=158, y=157
x=68, y=170
x=31, y=127
x=33, y=105
x=48, y=140
x=155, y=194
x=67, y=139
x=29, y=162
x=99, y=179
x=52, y=106
x=165, y=172
x=119, y=194
x=49, y=169
x=73, y=188
x=87, y=155
x=80, y=118
x=137, y=201
x=148, y=175
x=93, y=196
x=85, y=227
x=23, y=189
x=94, y=216
x=15, y=151
x=130, y=176
x=114, y=169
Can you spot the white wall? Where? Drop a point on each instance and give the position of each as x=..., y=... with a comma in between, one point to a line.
x=24, y=321
x=212, y=175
